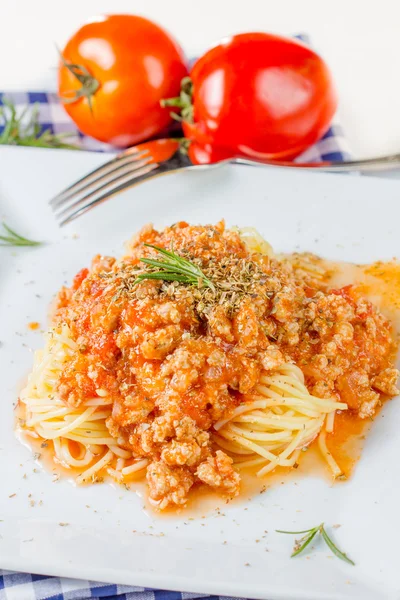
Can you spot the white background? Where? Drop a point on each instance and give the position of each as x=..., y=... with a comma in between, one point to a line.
x=360, y=39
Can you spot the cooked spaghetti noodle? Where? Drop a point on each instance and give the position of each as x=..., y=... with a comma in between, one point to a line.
x=79, y=436
x=280, y=420
x=198, y=355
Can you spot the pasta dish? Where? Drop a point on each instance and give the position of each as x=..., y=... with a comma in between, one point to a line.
x=199, y=355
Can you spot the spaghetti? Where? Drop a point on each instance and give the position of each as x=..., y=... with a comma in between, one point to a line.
x=181, y=363
x=280, y=419
x=79, y=436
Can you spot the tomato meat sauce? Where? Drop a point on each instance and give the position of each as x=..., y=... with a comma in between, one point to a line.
x=176, y=358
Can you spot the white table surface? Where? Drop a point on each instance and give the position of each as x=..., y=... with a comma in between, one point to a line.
x=360, y=39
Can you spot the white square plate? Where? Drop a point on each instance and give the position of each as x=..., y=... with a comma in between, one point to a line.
x=109, y=537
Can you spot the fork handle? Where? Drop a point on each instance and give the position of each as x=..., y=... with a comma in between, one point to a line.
x=382, y=163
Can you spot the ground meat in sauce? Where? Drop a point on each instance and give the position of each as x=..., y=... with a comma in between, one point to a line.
x=174, y=362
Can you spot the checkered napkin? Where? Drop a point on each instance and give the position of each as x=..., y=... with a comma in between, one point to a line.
x=52, y=116
x=22, y=586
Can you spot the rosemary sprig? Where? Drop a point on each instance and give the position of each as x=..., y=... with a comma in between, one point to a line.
x=14, y=239
x=14, y=132
x=173, y=267
x=303, y=542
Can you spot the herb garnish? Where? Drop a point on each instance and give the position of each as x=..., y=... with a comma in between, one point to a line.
x=303, y=542
x=218, y=282
x=15, y=133
x=174, y=268
x=14, y=239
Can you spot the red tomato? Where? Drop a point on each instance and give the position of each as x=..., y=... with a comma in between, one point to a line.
x=261, y=94
x=197, y=132
x=204, y=155
x=113, y=74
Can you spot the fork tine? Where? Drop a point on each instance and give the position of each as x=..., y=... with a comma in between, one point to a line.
x=129, y=171
x=87, y=180
x=108, y=178
x=138, y=178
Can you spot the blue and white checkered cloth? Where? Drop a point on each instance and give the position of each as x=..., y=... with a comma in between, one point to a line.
x=52, y=117
x=22, y=586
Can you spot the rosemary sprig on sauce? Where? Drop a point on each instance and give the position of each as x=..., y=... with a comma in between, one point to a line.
x=14, y=239
x=303, y=542
x=172, y=267
x=15, y=133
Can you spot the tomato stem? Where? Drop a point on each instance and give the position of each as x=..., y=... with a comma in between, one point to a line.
x=90, y=84
x=184, y=144
x=183, y=102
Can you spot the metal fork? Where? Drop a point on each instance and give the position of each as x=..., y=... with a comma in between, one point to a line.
x=161, y=157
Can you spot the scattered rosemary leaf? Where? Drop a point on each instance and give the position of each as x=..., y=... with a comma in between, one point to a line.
x=14, y=132
x=303, y=542
x=334, y=548
x=14, y=239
